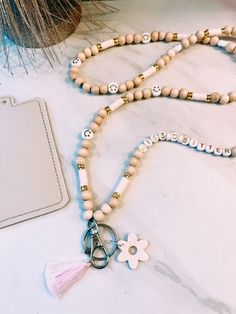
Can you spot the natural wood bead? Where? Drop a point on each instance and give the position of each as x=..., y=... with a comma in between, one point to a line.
x=134, y=162
x=80, y=160
x=131, y=170
x=98, y=215
x=74, y=72
x=206, y=40
x=169, y=37
x=81, y=56
x=147, y=93
x=161, y=35
x=137, y=38
x=87, y=52
x=95, y=89
x=214, y=40
x=137, y=81
x=102, y=113
x=138, y=154
x=86, y=87
x=166, y=58
x=106, y=208
x=86, y=195
x=171, y=53
x=122, y=88
x=121, y=40
x=165, y=91
x=86, y=143
x=174, y=92
x=88, y=205
x=192, y=39
x=129, y=96
x=200, y=34
x=185, y=43
x=94, y=126
x=215, y=97
x=232, y=96
x=103, y=89
x=138, y=94
x=224, y=99
x=129, y=84
x=227, y=30
x=233, y=151
x=83, y=152
x=233, y=31
x=114, y=202
x=79, y=81
x=154, y=36
x=98, y=120
x=94, y=50
x=230, y=47
x=183, y=93
x=129, y=38
x=87, y=214
x=160, y=62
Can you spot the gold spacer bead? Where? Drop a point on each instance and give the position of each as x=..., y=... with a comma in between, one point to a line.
x=125, y=99
x=80, y=166
x=141, y=76
x=116, y=195
x=190, y=95
x=223, y=30
x=116, y=41
x=83, y=188
x=108, y=109
x=175, y=36
x=99, y=46
x=157, y=67
x=208, y=98
x=127, y=175
x=206, y=33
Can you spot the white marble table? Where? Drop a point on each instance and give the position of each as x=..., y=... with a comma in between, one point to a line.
x=182, y=201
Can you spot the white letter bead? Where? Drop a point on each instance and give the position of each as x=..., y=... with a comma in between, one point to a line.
x=83, y=178
x=113, y=88
x=210, y=149
x=226, y=152
x=218, y=151
x=186, y=140
x=87, y=134
x=180, y=140
x=76, y=62
x=177, y=48
x=156, y=91
x=148, y=142
x=193, y=142
x=154, y=138
x=201, y=147
x=116, y=104
x=122, y=185
x=162, y=136
x=168, y=136
x=146, y=38
x=143, y=148
x=174, y=137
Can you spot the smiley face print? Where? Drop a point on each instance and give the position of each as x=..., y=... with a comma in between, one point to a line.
x=146, y=38
x=113, y=88
x=76, y=62
x=156, y=91
x=87, y=134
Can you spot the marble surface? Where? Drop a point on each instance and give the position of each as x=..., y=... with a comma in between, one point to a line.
x=182, y=201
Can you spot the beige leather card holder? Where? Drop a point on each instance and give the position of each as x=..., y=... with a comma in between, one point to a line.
x=31, y=179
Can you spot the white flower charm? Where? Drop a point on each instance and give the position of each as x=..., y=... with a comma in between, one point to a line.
x=132, y=251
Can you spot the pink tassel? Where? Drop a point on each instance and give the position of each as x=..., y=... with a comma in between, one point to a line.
x=61, y=276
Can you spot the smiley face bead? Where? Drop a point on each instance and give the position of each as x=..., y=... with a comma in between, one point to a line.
x=76, y=62
x=146, y=38
x=113, y=88
x=87, y=134
x=156, y=91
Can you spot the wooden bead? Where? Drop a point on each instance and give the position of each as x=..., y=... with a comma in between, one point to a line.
x=233, y=151
x=129, y=84
x=114, y=202
x=134, y=162
x=227, y=30
x=165, y=91
x=94, y=50
x=106, y=208
x=230, y=47
x=185, y=43
x=174, y=92
x=86, y=87
x=137, y=38
x=232, y=96
x=121, y=40
x=147, y=93
x=79, y=81
x=169, y=37
x=86, y=195
x=192, y=39
x=171, y=53
x=122, y=88
x=233, y=31
x=161, y=35
x=103, y=89
x=88, y=205
x=224, y=99
x=129, y=38
x=166, y=58
x=137, y=81
x=183, y=93
x=83, y=152
x=87, y=52
x=86, y=144
x=80, y=160
x=154, y=36
x=102, y=113
x=160, y=62
x=87, y=214
x=129, y=96
x=82, y=56
x=200, y=34
x=131, y=170
x=215, y=97
x=98, y=215
x=93, y=126
x=206, y=40
x=214, y=40
x=138, y=154
x=74, y=72
x=95, y=89
x=98, y=120
x=138, y=95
